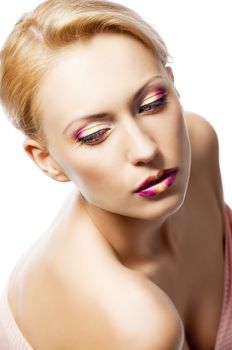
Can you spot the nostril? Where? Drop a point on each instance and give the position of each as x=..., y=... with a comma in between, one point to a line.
x=143, y=153
x=141, y=147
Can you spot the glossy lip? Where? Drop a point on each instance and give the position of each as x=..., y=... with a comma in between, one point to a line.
x=151, y=180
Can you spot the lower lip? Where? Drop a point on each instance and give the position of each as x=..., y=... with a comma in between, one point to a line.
x=161, y=187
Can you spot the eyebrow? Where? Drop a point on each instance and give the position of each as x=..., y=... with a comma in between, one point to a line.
x=103, y=115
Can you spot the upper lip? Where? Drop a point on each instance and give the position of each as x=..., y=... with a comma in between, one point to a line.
x=151, y=180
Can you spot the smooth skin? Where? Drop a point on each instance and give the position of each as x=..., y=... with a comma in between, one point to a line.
x=116, y=271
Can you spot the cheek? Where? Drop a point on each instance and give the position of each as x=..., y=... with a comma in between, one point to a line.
x=94, y=178
x=170, y=129
x=182, y=136
x=172, y=135
x=182, y=139
x=85, y=168
x=177, y=123
x=180, y=128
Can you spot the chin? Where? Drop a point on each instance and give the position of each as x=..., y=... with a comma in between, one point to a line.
x=152, y=211
x=160, y=207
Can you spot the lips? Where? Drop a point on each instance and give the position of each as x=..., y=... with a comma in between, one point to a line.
x=155, y=179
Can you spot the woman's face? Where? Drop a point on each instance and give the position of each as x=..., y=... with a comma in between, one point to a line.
x=101, y=135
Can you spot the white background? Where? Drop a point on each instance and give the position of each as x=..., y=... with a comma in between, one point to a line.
x=198, y=35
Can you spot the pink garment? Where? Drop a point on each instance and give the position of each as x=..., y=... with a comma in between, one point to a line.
x=11, y=337
x=224, y=336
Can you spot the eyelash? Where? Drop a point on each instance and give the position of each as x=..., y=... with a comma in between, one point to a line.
x=94, y=138
x=157, y=103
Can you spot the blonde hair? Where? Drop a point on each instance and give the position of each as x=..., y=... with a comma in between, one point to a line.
x=36, y=38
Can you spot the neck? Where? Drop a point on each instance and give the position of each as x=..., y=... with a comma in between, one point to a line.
x=133, y=240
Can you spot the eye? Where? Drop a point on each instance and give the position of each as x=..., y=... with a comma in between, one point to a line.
x=154, y=105
x=93, y=138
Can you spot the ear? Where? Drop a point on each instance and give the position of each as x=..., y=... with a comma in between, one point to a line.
x=44, y=160
x=170, y=73
x=171, y=76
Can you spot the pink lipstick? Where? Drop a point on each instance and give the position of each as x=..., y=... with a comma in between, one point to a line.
x=158, y=183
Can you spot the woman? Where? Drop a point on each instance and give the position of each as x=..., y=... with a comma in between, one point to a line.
x=138, y=257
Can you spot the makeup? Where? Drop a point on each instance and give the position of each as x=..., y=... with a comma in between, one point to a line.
x=153, y=100
x=150, y=99
x=91, y=134
x=149, y=88
x=154, y=91
x=154, y=185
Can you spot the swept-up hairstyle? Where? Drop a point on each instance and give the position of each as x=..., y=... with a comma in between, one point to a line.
x=37, y=37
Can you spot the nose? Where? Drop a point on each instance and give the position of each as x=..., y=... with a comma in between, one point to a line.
x=141, y=147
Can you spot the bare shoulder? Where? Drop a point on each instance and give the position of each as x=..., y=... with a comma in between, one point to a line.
x=199, y=123
x=76, y=295
x=205, y=163
x=203, y=137
x=204, y=149
x=114, y=310
x=124, y=310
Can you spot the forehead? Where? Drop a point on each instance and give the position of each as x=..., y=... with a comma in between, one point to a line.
x=97, y=74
